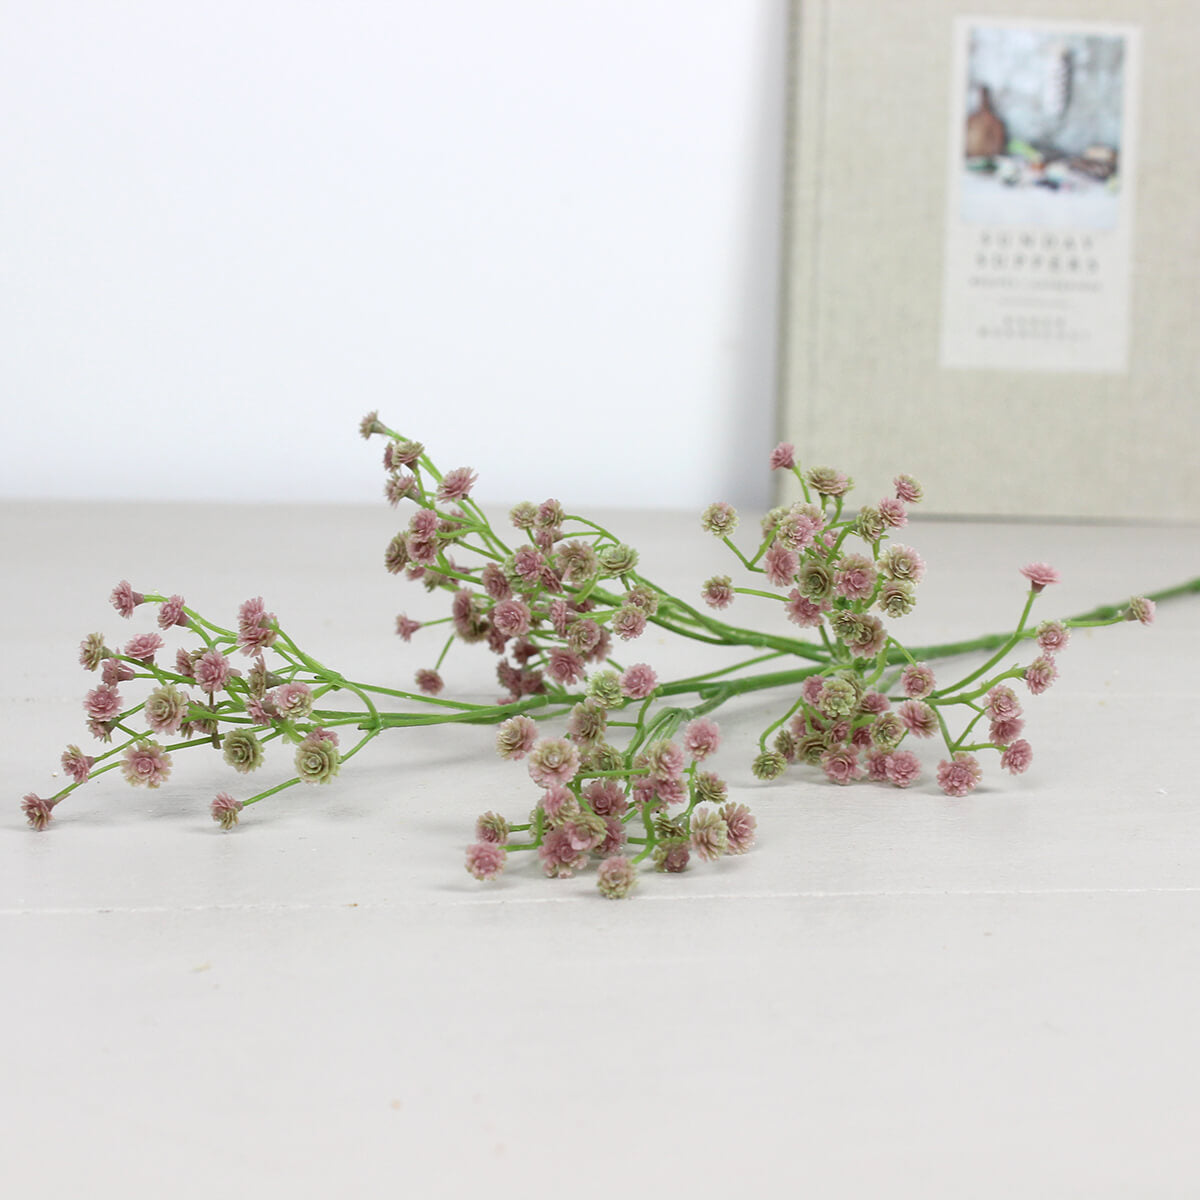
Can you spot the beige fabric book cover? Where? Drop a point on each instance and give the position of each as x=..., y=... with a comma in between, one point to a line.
x=993, y=253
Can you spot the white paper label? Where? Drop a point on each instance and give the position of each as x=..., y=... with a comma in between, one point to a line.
x=1040, y=196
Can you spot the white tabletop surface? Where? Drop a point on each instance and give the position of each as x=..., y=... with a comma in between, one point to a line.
x=894, y=994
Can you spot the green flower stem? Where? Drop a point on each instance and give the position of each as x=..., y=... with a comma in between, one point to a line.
x=744, y=591
x=279, y=787
x=962, y=737
x=750, y=662
x=418, y=698
x=1013, y=639
x=332, y=676
x=371, y=733
x=744, y=560
x=437, y=666
x=770, y=729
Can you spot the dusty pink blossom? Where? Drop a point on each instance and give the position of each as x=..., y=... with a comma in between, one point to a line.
x=429, y=681
x=491, y=827
x=559, y=855
x=671, y=791
x=841, y=764
x=861, y=737
x=143, y=647
x=1141, y=608
x=495, y=582
x=405, y=452
x=564, y=666
x=829, y=482
x=902, y=563
x=557, y=803
x=92, y=651
x=560, y=616
x=877, y=764
x=293, y=700
x=255, y=627
x=421, y=551
x=423, y=525
x=741, y=825
x=395, y=557
x=908, y=489
x=466, y=609
x=553, y=760
x=225, y=810
x=701, y=738
x=183, y=663
x=718, y=591
x=1052, y=636
x=485, y=860
x=638, y=681
x=457, y=484
x=960, y=775
x=803, y=611
x=171, y=613
x=1017, y=757
x=874, y=703
x=781, y=565
x=165, y=710
x=511, y=617
x=854, y=577
x=672, y=857
x=719, y=519
x=665, y=759
x=903, y=768
x=124, y=599
x=114, y=671
x=862, y=633
x=1040, y=575
x=918, y=718
x=616, y=877
x=528, y=563
x=583, y=636
x=585, y=831
x=812, y=689
x=77, y=764
x=103, y=703
x=516, y=737
x=406, y=626
x=628, y=622
x=146, y=764
x=38, y=812
x=614, y=836
x=783, y=457
x=1002, y=732
x=606, y=797
x=211, y=671
x=710, y=838
x=400, y=486
x=894, y=513
x=1040, y=674
x=916, y=681
x=1001, y=703
x=797, y=530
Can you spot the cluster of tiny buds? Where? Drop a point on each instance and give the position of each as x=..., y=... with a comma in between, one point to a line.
x=542, y=608
x=803, y=555
x=172, y=708
x=590, y=791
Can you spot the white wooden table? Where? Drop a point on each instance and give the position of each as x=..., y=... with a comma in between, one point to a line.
x=896, y=993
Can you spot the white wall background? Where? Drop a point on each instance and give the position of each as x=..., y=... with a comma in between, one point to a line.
x=540, y=235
